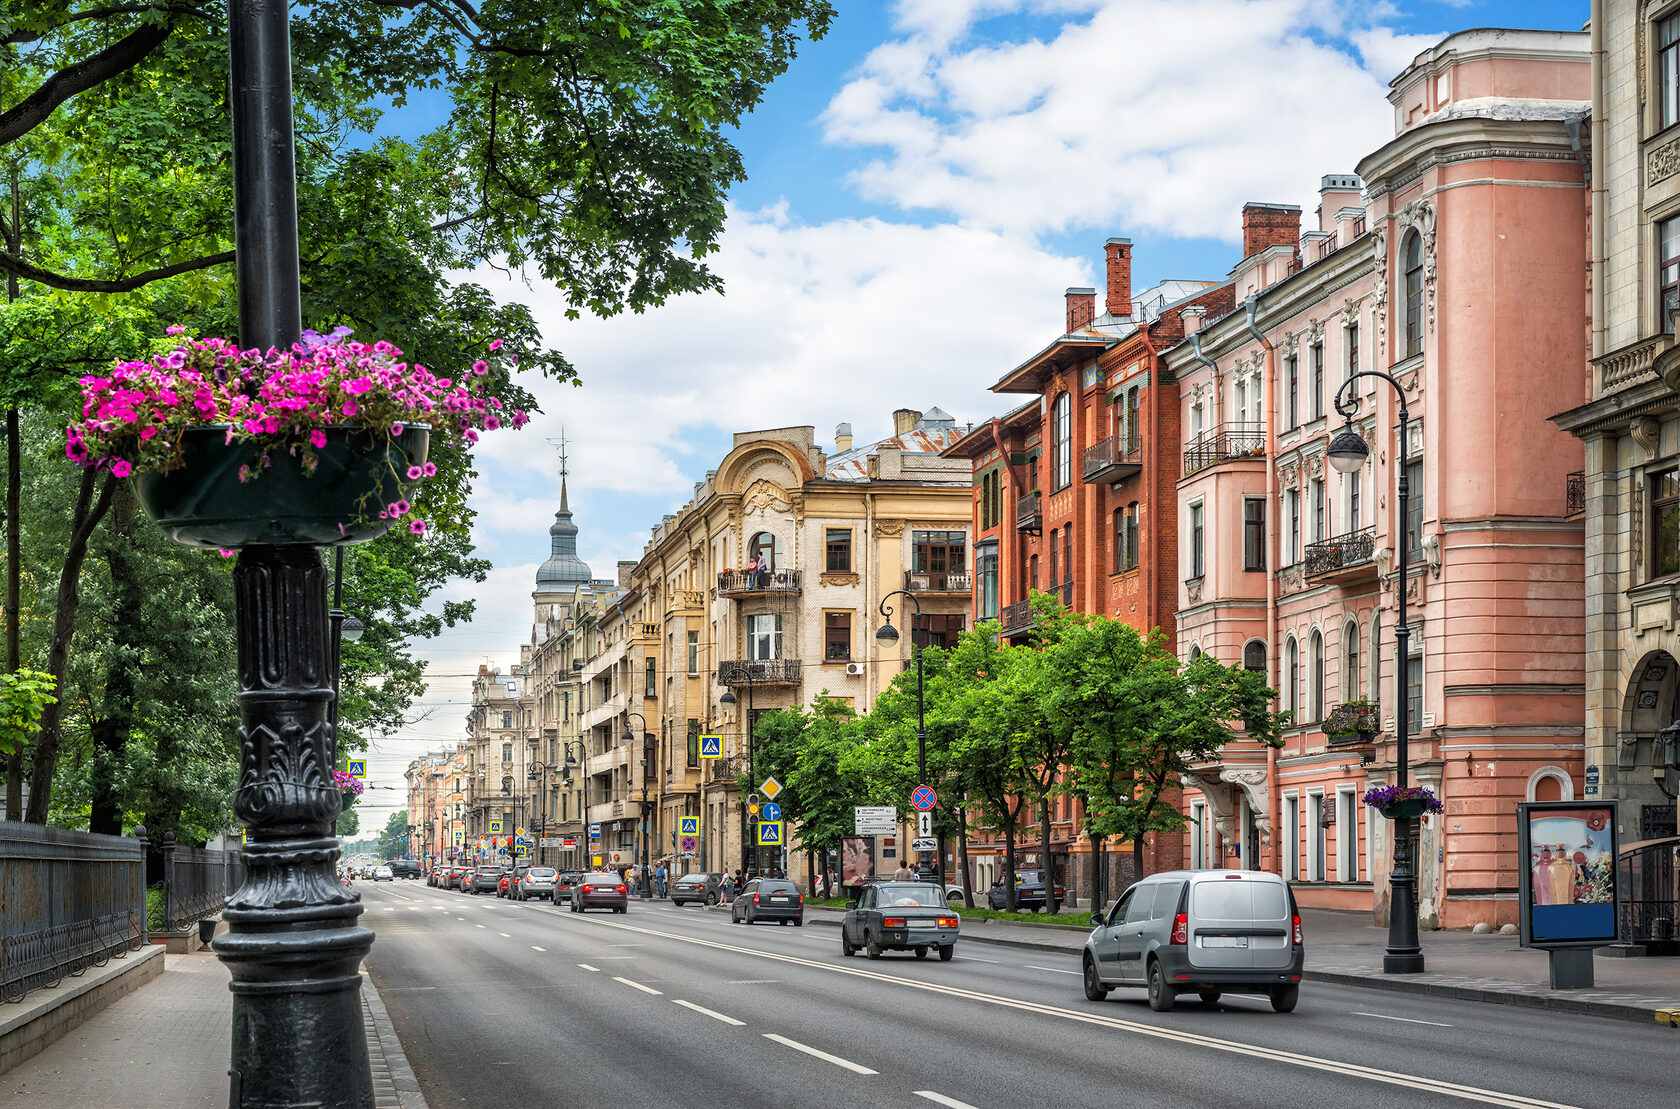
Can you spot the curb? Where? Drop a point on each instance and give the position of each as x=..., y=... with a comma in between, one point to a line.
x=406, y=1086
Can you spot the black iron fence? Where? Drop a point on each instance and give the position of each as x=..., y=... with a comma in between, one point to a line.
x=1354, y=548
x=196, y=882
x=68, y=900
x=769, y=671
x=1575, y=493
x=1224, y=443
x=1017, y=617
x=1650, y=899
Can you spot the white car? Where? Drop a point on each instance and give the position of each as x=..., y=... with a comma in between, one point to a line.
x=382, y=874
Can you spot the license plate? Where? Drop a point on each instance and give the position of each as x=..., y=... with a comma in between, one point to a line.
x=778, y=899
x=1224, y=941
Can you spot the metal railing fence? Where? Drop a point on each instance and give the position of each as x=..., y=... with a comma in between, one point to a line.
x=197, y=882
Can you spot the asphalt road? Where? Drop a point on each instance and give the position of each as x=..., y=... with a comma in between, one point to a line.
x=501, y=1003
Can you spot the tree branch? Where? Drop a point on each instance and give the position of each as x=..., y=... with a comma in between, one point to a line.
x=34, y=109
x=11, y=263
x=17, y=37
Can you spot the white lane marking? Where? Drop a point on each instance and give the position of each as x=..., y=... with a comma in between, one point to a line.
x=823, y=1055
x=1309, y=1062
x=941, y=1099
x=388, y=909
x=586, y=966
x=478, y=925
x=534, y=947
x=504, y=935
x=972, y=959
x=1052, y=970
x=709, y=1012
x=639, y=986
x=1407, y=1020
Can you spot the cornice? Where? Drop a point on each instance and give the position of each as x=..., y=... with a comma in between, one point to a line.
x=1404, y=158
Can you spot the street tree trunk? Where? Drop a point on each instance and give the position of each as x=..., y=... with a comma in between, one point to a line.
x=114, y=720
x=1009, y=901
x=14, y=574
x=1049, y=866
x=962, y=857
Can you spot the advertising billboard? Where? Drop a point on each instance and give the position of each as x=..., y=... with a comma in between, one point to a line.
x=857, y=860
x=1567, y=873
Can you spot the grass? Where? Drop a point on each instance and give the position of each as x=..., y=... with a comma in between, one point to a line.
x=1079, y=917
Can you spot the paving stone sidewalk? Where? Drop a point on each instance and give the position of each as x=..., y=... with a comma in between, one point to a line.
x=166, y=1046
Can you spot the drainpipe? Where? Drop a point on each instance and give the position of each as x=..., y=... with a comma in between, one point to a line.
x=1250, y=309
x=1596, y=211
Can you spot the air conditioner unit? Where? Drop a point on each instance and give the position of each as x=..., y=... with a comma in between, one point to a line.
x=854, y=669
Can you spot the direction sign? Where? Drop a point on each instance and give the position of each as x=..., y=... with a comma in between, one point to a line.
x=687, y=844
x=924, y=824
x=495, y=827
x=875, y=820
x=924, y=843
x=769, y=833
x=770, y=811
x=357, y=768
x=711, y=747
x=770, y=788
x=923, y=798
x=688, y=825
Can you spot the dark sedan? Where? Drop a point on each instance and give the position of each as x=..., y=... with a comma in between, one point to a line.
x=900, y=916
x=1029, y=892
x=486, y=879
x=702, y=886
x=451, y=878
x=769, y=899
x=600, y=891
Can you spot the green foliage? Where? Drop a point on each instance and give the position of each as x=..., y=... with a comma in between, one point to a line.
x=154, y=908
x=393, y=838
x=23, y=694
x=349, y=823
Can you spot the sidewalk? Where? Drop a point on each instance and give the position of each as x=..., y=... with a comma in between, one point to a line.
x=1346, y=948
x=166, y=1046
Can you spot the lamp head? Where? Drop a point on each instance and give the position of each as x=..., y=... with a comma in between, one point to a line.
x=728, y=697
x=1347, y=451
x=352, y=628
x=888, y=634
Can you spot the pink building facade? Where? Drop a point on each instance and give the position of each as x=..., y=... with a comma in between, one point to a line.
x=1456, y=262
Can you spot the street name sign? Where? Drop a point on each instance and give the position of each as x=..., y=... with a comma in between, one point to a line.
x=924, y=843
x=770, y=788
x=770, y=811
x=688, y=825
x=923, y=798
x=769, y=833
x=711, y=747
x=875, y=820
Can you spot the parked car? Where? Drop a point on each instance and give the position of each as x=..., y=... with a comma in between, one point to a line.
x=702, y=886
x=450, y=877
x=504, y=888
x=769, y=899
x=537, y=881
x=1029, y=892
x=486, y=879
x=900, y=916
x=1209, y=932
x=405, y=868
x=598, y=891
x=565, y=883
x=382, y=874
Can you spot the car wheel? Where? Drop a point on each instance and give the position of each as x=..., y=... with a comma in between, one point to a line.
x=946, y=951
x=846, y=947
x=1209, y=997
x=921, y=952
x=874, y=950
x=952, y=898
x=1094, y=989
x=1161, y=995
x=678, y=904
x=1285, y=997
x=782, y=922
x=711, y=899
x=800, y=923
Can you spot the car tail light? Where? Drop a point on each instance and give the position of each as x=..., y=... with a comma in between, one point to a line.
x=801, y=899
x=620, y=889
x=893, y=922
x=588, y=889
x=1298, y=931
x=755, y=899
x=1181, y=929
x=948, y=922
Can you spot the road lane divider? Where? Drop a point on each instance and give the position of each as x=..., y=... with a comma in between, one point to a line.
x=639, y=986
x=1403, y=1020
x=590, y=969
x=1418, y=1082
x=940, y=1099
x=544, y=950
x=856, y=1068
x=714, y=1014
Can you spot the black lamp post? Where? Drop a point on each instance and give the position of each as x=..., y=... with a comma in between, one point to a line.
x=645, y=830
x=567, y=762
x=341, y=626
x=888, y=635
x=1347, y=452
x=749, y=850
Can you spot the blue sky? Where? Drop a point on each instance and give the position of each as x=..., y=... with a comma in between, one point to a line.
x=923, y=185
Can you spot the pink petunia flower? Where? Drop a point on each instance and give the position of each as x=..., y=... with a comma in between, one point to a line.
x=317, y=438
x=121, y=468
x=418, y=527
x=495, y=344
x=397, y=429
x=429, y=469
x=415, y=473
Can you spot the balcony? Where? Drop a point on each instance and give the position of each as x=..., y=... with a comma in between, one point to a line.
x=1017, y=619
x=930, y=581
x=1344, y=558
x=1352, y=723
x=1028, y=516
x=752, y=583
x=1575, y=493
x=770, y=671
x=1225, y=443
x=1112, y=460
x=726, y=770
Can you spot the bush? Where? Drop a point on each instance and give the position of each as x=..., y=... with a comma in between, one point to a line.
x=154, y=908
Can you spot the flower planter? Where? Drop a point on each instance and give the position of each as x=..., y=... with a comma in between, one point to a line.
x=1407, y=809
x=202, y=503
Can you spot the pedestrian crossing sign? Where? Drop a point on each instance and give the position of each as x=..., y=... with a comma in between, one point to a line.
x=357, y=768
x=495, y=827
x=769, y=833
x=711, y=747
x=688, y=825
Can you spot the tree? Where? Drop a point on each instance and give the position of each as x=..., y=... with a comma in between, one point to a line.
x=393, y=839
x=819, y=757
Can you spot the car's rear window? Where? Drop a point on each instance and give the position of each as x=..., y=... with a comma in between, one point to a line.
x=541, y=872
x=601, y=878
x=1238, y=899
x=910, y=895
x=692, y=880
x=777, y=887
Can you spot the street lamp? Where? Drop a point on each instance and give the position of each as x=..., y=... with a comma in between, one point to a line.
x=567, y=762
x=887, y=636
x=1347, y=453
x=630, y=737
x=748, y=863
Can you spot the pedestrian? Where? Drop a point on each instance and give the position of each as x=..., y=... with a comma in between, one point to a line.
x=726, y=888
x=818, y=886
x=660, y=876
x=902, y=874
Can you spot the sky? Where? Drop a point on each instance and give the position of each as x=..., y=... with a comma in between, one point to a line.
x=923, y=185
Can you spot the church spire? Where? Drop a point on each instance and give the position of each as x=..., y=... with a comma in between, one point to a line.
x=564, y=568
x=563, y=506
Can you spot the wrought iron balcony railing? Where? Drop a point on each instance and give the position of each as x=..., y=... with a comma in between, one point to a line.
x=1112, y=460
x=1027, y=513
x=736, y=583
x=769, y=671
x=931, y=581
x=1575, y=493
x=1223, y=444
x=1017, y=617
x=1354, y=550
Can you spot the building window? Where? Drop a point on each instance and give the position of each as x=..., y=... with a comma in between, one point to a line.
x=1347, y=837
x=766, y=549
x=1315, y=816
x=1414, y=688
x=507, y=752
x=1292, y=826
x=1198, y=834
x=1032, y=572
x=1292, y=676
x=1119, y=540
x=1254, y=533
x=935, y=629
x=649, y=689
x=1134, y=437
x=1414, y=511
x=1292, y=511
x=1292, y=399
x=1668, y=71
x=986, y=567
x=1412, y=273
x=1317, y=383
x=1054, y=550
x=764, y=637
x=1197, y=554
x=939, y=552
x=1350, y=483
x=693, y=654
x=693, y=742
x=991, y=499
x=1316, y=645
x=1668, y=255
x=1061, y=442
x=1196, y=421
x=1240, y=404
x=1067, y=564
x=1665, y=523
x=1126, y=536
x=837, y=636
x=1350, y=662
x=1352, y=333
x=839, y=548
x=1316, y=488
x=507, y=719
x=1254, y=655
x=1373, y=693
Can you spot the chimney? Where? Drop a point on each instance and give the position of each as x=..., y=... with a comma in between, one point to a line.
x=842, y=438
x=1081, y=308
x=1119, y=302
x=905, y=420
x=1337, y=191
x=1191, y=316
x=1269, y=225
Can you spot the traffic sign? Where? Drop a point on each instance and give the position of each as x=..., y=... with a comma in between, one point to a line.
x=495, y=827
x=711, y=747
x=594, y=831
x=770, y=811
x=520, y=832
x=924, y=824
x=357, y=768
x=875, y=820
x=688, y=825
x=923, y=798
x=687, y=844
x=769, y=833
x=568, y=842
x=924, y=843
x=770, y=788
x=521, y=851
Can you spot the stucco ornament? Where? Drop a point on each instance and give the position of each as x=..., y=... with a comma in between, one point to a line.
x=1350, y=311
x=1252, y=781
x=1432, y=553
x=1193, y=590
x=1315, y=465
x=1291, y=342
x=1421, y=215
x=1379, y=264
x=1315, y=331
x=1218, y=797
x=1643, y=430
x=1384, y=558
x=764, y=495
x=888, y=529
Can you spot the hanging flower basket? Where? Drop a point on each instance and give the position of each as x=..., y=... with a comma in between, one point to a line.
x=349, y=786
x=1352, y=722
x=1402, y=802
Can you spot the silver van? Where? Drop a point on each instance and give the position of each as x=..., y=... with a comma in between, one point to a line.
x=1207, y=931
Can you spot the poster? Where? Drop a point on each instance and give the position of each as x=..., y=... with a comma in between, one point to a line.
x=1567, y=873
x=857, y=860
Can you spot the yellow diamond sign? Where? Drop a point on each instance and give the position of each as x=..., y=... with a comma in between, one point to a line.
x=770, y=788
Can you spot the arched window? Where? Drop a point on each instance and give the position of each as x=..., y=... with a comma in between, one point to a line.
x=1317, y=696
x=765, y=548
x=1254, y=655
x=1195, y=651
x=1350, y=661
x=1412, y=278
x=1372, y=692
x=1061, y=442
x=1292, y=677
